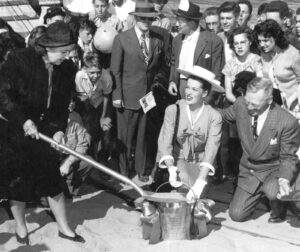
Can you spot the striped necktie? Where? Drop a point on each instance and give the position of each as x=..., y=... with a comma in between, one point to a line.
x=144, y=48
x=254, y=127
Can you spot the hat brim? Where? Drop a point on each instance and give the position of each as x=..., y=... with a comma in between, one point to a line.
x=48, y=42
x=215, y=84
x=199, y=16
x=144, y=14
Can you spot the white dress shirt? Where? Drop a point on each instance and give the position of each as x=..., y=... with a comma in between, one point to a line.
x=261, y=120
x=186, y=57
x=139, y=34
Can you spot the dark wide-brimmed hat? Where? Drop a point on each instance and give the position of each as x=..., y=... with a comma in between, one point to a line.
x=144, y=9
x=57, y=34
x=188, y=10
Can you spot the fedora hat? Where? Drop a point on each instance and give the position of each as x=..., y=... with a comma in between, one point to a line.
x=144, y=9
x=204, y=74
x=188, y=10
x=57, y=34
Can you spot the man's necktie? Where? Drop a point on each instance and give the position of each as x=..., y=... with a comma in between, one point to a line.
x=50, y=71
x=144, y=48
x=254, y=127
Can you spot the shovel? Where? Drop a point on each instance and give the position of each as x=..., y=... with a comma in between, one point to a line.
x=151, y=196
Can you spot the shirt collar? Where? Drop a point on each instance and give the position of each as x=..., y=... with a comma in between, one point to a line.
x=139, y=32
x=193, y=36
x=263, y=116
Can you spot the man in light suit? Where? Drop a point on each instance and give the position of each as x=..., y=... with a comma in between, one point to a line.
x=270, y=138
x=193, y=46
x=137, y=63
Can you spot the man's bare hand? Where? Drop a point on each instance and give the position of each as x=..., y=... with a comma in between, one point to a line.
x=172, y=88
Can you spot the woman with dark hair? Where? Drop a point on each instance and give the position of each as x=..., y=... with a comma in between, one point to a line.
x=35, y=99
x=281, y=64
x=242, y=42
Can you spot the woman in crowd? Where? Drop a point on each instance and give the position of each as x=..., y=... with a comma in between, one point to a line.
x=36, y=98
x=187, y=143
x=242, y=42
x=281, y=63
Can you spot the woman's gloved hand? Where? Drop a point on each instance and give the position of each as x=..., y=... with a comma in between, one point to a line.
x=195, y=192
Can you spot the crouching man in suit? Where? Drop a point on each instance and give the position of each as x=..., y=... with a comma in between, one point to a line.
x=270, y=138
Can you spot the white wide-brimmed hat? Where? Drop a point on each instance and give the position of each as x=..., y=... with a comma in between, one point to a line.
x=204, y=74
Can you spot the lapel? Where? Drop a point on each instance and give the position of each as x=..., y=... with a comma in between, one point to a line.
x=177, y=49
x=201, y=43
x=246, y=130
x=267, y=133
x=135, y=43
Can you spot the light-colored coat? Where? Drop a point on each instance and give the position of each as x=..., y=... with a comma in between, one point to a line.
x=204, y=140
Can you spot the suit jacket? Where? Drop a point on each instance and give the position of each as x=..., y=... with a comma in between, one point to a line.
x=274, y=150
x=204, y=140
x=132, y=76
x=209, y=54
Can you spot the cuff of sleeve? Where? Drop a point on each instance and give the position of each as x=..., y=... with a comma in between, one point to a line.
x=163, y=159
x=208, y=165
x=280, y=180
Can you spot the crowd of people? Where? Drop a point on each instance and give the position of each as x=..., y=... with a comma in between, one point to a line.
x=210, y=97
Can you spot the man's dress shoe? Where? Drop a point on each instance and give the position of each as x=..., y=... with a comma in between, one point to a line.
x=276, y=219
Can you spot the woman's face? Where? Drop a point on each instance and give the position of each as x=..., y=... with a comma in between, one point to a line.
x=56, y=56
x=194, y=92
x=266, y=44
x=241, y=44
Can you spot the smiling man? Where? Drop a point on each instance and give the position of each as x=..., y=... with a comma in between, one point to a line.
x=229, y=13
x=193, y=46
x=270, y=138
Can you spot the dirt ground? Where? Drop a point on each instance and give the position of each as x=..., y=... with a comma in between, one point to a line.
x=108, y=223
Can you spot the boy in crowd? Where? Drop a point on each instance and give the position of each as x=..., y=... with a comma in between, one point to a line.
x=261, y=13
x=93, y=87
x=229, y=13
x=102, y=17
x=280, y=12
x=212, y=20
x=246, y=12
x=72, y=169
x=86, y=33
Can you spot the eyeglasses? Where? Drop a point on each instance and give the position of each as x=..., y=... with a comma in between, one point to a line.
x=242, y=43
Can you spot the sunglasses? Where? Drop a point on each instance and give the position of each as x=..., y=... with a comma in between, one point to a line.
x=146, y=19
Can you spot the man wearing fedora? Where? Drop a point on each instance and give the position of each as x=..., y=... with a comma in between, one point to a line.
x=137, y=62
x=193, y=46
x=36, y=99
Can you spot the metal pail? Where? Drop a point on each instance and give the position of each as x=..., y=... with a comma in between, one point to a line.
x=175, y=220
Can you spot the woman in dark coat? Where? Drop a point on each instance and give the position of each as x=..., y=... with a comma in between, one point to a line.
x=34, y=96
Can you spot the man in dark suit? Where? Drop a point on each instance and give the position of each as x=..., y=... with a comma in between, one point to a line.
x=137, y=63
x=193, y=46
x=270, y=138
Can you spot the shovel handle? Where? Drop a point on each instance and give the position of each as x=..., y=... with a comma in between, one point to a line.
x=95, y=164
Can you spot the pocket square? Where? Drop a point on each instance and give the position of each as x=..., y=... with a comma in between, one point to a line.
x=207, y=56
x=273, y=141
